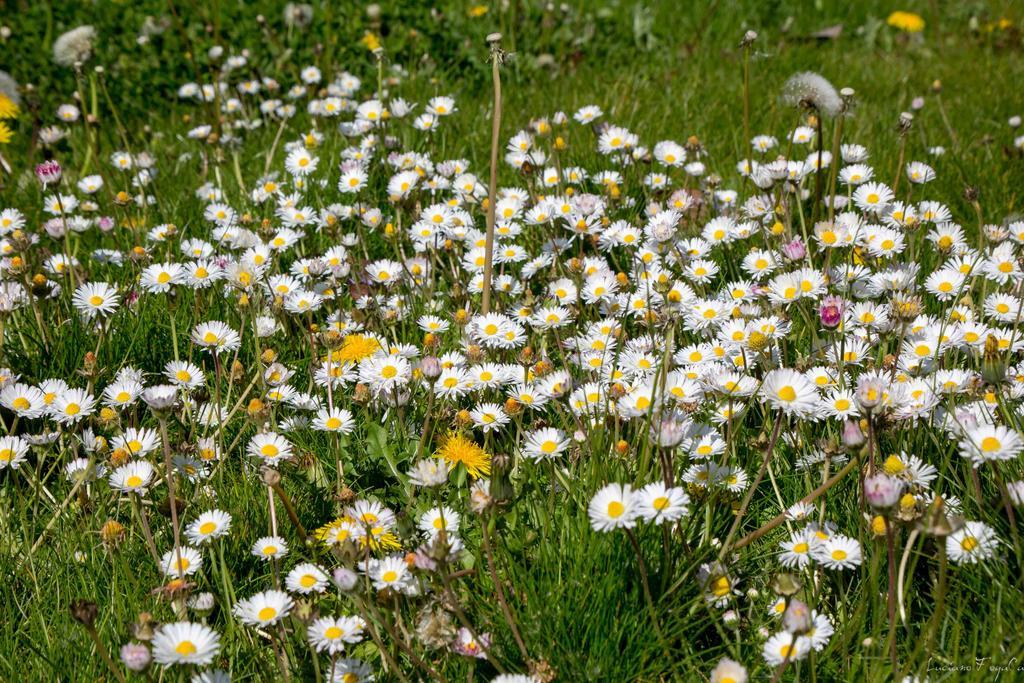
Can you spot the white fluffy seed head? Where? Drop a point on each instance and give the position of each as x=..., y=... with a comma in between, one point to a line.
x=814, y=90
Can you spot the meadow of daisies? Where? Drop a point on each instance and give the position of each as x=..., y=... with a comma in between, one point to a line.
x=511, y=342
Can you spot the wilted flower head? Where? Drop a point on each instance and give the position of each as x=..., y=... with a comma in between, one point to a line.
x=75, y=46
x=298, y=14
x=809, y=89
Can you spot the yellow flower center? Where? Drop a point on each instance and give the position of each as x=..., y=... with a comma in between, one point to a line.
x=990, y=444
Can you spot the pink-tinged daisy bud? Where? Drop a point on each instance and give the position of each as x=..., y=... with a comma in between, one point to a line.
x=831, y=311
x=135, y=656
x=795, y=250
x=917, y=104
x=430, y=366
x=882, y=491
x=345, y=579
x=797, y=617
x=49, y=172
x=106, y=223
x=853, y=437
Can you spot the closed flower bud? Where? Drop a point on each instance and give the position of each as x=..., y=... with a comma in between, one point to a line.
x=882, y=491
x=797, y=617
x=135, y=656
x=344, y=578
x=430, y=366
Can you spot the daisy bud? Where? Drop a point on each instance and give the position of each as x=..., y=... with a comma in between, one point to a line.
x=882, y=491
x=135, y=656
x=1014, y=122
x=49, y=172
x=161, y=397
x=917, y=104
x=730, y=618
x=344, y=578
x=671, y=431
x=201, y=602
x=993, y=364
x=430, y=366
x=794, y=250
x=797, y=617
x=831, y=311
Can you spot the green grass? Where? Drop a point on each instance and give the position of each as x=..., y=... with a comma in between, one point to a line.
x=663, y=70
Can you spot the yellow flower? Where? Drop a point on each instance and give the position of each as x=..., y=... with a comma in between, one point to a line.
x=906, y=21
x=355, y=348
x=370, y=40
x=5, y=133
x=457, y=448
x=8, y=109
x=477, y=11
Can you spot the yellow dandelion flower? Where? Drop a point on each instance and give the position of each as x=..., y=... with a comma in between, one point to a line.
x=370, y=40
x=478, y=11
x=906, y=21
x=355, y=348
x=457, y=448
x=8, y=109
x=5, y=133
